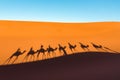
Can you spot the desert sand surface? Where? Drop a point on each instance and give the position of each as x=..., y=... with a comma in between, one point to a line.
x=27, y=34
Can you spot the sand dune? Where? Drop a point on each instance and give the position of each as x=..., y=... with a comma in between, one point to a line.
x=24, y=34
x=79, y=66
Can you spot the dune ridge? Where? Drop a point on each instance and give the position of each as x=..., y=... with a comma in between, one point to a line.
x=84, y=65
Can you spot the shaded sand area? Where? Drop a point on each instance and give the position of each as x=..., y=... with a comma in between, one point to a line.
x=78, y=66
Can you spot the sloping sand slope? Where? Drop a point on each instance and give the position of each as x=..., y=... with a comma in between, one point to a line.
x=83, y=66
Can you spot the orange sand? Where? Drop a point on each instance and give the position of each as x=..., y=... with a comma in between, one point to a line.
x=21, y=34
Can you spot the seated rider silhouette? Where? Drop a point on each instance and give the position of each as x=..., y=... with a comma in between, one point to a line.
x=61, y=48
x=72, y=47
x=41, y=50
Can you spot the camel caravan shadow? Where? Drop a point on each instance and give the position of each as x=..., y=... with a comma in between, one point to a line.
x=45, y=53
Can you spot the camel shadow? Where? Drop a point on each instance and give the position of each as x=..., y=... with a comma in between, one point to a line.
x=41, y=50
x=98, y=47
x=72, y=47
x=31, y=53
x=84, y=47
x=16, y=54
x=51, y=50
x=62, y=49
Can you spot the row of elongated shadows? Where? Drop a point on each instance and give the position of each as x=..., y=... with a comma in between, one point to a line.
x=62, y=49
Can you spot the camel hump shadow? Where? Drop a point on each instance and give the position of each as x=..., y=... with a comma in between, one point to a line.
x=15, y=54
x=41, y=50
x=62, y=49
x=31, y=53
x=72, y=47
x=98, y=47
x=50, y=49
x=84, y=47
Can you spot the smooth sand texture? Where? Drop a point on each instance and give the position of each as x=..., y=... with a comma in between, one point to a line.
x=23, y=34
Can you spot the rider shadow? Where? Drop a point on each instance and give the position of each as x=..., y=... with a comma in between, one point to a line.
x=30, y=54
x=16, y=54
x=51, y=50
x=98, y=47
x=72, y=47
x=84, y=47
x=62, y=49
x=41, y=50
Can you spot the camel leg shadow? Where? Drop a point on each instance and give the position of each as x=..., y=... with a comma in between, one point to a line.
x=48, y=55
x=15, y=59
x=38, y=56
x=86, y=49
x=54, y=54
x=8, y=60
x=25, y=58
x=43, y=56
